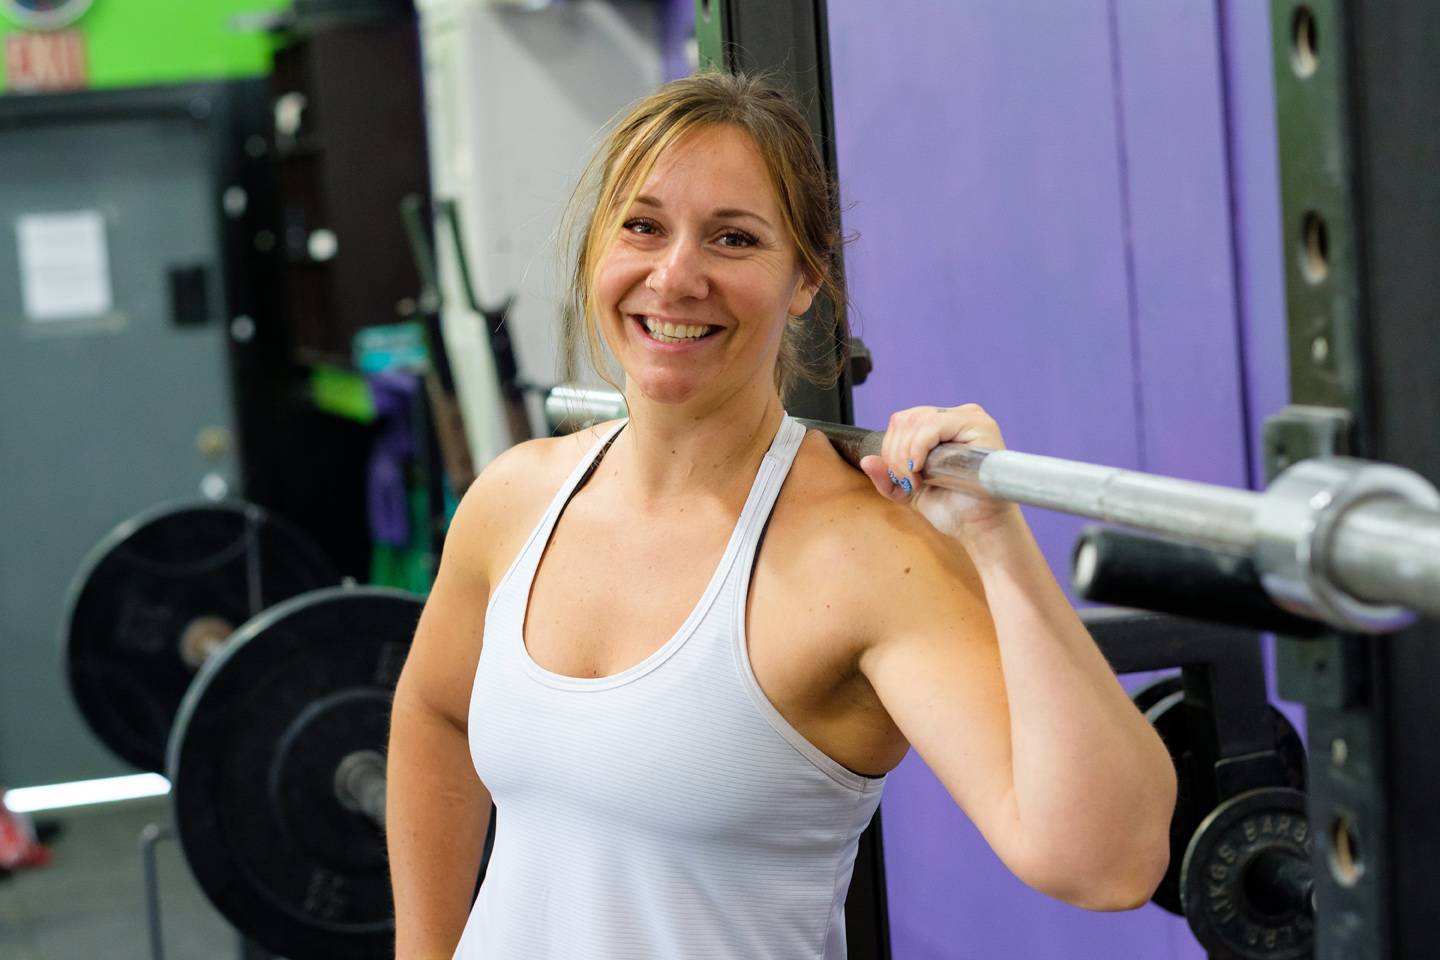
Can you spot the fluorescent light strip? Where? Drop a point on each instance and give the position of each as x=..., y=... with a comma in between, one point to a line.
x=83, y=793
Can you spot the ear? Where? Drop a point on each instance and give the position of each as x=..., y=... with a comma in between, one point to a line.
x=803, y=296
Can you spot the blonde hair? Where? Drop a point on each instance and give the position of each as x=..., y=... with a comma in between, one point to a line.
x=618, y=170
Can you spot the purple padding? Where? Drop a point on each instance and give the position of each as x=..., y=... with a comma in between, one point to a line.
x=677, y=30
x=1255, y=196
x=978, y=163
x=1187, y=337
x=1042, y=193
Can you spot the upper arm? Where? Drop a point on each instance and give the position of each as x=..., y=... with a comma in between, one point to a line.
x=929, y=651
x=440, y=668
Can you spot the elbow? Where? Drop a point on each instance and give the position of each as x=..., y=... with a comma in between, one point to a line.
x=1121, y=884
x=1119, y=867
x=1127, y=888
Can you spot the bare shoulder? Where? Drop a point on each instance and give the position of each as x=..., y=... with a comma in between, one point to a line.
x=508, y=498
x=877, y=561
x=488, y=530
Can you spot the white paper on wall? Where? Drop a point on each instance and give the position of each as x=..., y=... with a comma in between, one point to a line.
x=64, y=265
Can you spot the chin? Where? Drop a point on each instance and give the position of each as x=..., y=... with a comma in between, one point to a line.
x=665, y=389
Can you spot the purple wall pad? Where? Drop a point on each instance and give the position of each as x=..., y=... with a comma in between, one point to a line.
x=677, y=30
x=1255, y=197
x=1187, y=342
x=1042, y=193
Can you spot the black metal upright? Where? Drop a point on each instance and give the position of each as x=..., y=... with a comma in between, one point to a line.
x=1358, y=96
x=789, y=40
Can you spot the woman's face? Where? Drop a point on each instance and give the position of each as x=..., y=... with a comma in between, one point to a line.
x=694, y=292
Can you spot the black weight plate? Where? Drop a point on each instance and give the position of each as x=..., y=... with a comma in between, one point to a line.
x=167, y=579
x=1220, y=906
x=252, y=762
x=1174, y=719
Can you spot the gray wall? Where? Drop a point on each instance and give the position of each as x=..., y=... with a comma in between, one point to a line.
x=1065, y=216
x=99, y=415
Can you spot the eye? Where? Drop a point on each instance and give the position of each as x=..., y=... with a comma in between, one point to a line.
x=641, y=226
x=737, y=238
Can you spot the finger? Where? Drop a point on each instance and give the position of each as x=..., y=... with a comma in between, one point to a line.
x=922, y=428
x=892, y=450
x=967, y=424
x=879, y=473
x=912, y=444
x=924, y=439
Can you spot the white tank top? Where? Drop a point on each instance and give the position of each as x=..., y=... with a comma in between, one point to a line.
x=667, y=811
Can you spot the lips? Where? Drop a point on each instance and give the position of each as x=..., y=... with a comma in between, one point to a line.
x=665, y=330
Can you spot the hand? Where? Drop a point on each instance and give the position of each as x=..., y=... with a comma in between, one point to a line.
x=909, y=438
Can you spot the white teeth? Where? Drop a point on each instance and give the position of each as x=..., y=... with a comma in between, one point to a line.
x=673, y=332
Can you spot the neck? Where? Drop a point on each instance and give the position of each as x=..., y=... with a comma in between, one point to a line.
x=673, y=452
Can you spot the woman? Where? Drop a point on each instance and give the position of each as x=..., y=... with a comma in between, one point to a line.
x=685, y=731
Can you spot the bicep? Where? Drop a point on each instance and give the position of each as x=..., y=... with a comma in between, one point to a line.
x=933, y=660
x=446, y=649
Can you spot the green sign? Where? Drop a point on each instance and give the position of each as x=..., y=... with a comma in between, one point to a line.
x=142, y=43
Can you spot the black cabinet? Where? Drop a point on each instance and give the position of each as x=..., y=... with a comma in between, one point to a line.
x=349, y=139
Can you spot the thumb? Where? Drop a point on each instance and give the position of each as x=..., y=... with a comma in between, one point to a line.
x=879, y=475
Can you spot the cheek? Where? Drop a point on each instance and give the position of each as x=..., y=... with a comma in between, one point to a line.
x=769, y=295
x=616, y=277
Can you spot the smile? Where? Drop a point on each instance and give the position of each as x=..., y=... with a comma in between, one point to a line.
x=667, y=332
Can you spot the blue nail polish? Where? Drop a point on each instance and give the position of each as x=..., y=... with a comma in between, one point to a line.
x=906, y=485
x=910, y=465
x=894, y=480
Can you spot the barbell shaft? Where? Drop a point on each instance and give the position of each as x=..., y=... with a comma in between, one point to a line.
x=1287, y=883
x=1381, y=552
x=1217, y=517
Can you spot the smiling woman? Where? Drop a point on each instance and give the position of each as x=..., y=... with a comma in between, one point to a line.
x=706, y=639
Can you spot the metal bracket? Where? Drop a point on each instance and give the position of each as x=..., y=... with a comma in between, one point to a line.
x=1300, y=432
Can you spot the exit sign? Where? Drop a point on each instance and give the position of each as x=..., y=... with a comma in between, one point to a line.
x=46, y=61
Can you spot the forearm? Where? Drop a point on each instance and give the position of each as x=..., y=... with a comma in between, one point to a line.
x=1079, y=747
x=437, y=817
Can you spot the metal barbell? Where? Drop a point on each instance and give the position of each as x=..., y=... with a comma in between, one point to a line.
x=1349, y=542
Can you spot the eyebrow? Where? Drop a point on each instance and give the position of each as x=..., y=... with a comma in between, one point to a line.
x=726, y=213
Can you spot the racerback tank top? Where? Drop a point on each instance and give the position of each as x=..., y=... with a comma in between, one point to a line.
x=667, y=811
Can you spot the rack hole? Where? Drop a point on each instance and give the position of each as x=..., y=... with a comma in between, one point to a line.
x=1315, y=248
x=1346, y=866
x=1304, y=42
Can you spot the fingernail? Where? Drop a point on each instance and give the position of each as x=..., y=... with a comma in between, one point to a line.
x=910, y=465
x=894, y=480
x=906, y=485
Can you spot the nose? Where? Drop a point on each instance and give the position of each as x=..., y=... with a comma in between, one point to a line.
x=679, y=273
